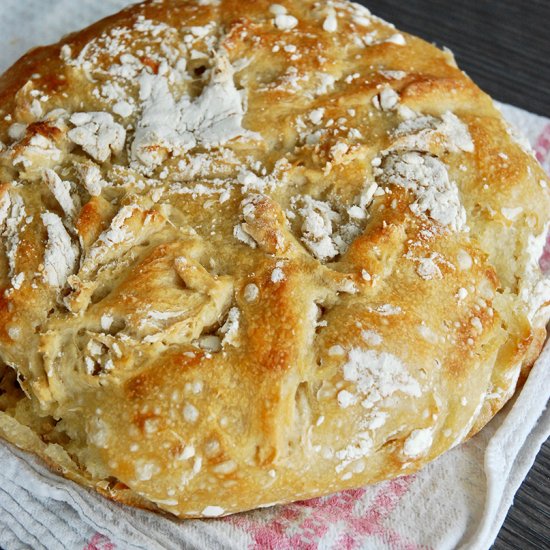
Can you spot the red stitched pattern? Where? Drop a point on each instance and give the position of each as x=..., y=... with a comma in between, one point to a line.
x=542, y=145
x=545, y=260
x=303, y=525
x=99, y=542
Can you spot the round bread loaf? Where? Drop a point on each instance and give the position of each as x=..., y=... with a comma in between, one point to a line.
x=253, y=253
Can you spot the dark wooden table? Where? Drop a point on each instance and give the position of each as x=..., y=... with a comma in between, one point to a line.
x=504, y=45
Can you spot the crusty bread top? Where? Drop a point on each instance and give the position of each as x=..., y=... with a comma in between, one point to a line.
x=258, y=252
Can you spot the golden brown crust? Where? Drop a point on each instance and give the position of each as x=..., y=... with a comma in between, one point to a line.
x=255, y=253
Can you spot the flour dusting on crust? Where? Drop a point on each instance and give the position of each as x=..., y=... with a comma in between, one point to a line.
x=98, y=134
x=61, y=253
x=377, y=375
x=174, y=126
x=427, y=177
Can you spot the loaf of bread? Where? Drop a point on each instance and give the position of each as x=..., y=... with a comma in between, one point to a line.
x=253, y=253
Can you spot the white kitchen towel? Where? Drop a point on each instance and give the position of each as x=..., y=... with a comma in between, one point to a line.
x=460, y=500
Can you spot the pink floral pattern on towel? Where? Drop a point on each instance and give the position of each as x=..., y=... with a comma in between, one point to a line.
x=99, y=542
x=342, y=517
x=542, y=145
x=542, y=152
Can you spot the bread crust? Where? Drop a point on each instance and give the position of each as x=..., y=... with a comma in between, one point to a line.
x=257, y=253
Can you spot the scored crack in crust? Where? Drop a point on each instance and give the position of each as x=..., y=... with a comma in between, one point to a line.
x=253, y=253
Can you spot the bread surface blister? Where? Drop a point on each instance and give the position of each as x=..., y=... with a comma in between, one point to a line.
x=253, y=253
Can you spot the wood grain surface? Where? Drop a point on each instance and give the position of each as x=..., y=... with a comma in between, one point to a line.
x=504, y=46
x=527, y=525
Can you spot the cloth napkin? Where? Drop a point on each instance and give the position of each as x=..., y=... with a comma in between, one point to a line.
x=458, y=501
